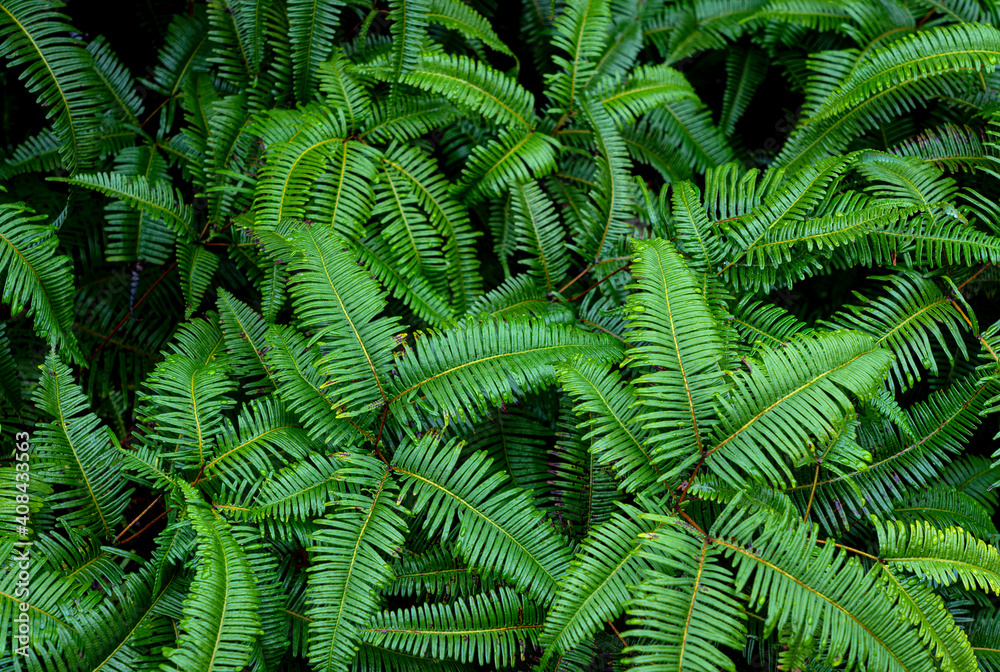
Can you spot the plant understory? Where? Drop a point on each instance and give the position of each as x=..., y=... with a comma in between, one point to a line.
x=443, y=335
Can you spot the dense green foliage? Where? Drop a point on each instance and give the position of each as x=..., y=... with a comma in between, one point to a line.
x=426, y=334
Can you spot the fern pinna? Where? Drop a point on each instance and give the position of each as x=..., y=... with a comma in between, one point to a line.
x=455, y=335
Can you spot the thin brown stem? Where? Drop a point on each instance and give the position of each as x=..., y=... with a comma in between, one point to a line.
x=146, y=526
x=122, y=321
x=136, y=519
x=812, y=494
x=609, y=275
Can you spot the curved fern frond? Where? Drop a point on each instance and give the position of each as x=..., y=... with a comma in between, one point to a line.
x=220, y=615
x=312, y=28
x=680, y=616
x=498, y=526
x=59, y=70
x=946, y=556
x=764, y=419
x=457, y=374
x=489, y=629
x=674, y=332
x=78, y=456
x=35, y=275
x=349, y=562
x=597, y=585
x=340, y=302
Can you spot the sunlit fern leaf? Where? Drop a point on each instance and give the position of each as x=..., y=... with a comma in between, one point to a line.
x=220, y=614
x=912, y=310
x=763, y=424
x=456, y=15
x=672, y=330
x=609, y=409
x=974, y=476
x=745, y=70
x=349, y=555
x=312, y=30
x=343, y=89
x=292, y=362
x=941, y=423
x=498, y=525
x=137, y=192
x=540, y=234
x=184, y=51
x=76, y=454
x=679, y=617
x=37, y=277
x=918, y=56
x=580, y=33
x=415, y=292
x=60, y=71
x=945, y=556
x=944, y=507
x=597, y=586
x=757, y=498
x=453, y=374
x=818, y=590
x=489, y=629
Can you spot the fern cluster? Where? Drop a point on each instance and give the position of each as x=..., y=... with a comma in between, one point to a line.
x=353, y=336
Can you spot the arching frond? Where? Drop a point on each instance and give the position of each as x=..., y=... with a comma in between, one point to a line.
x=78, y=455
x=497, y=524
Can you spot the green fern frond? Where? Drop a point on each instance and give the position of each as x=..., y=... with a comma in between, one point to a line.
x=680, y=616
x=580, y=34
x=497, y=524
x=540, y=234
x=78, y=456
x=220, y=615
x=489, y=629
x=672, y=331
x=37, y=276
x=60, y=71
x=945, y=556
x=349, y=554
x=597, y=585
x=945, y=507
x=312, y=32
x=457, y=374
